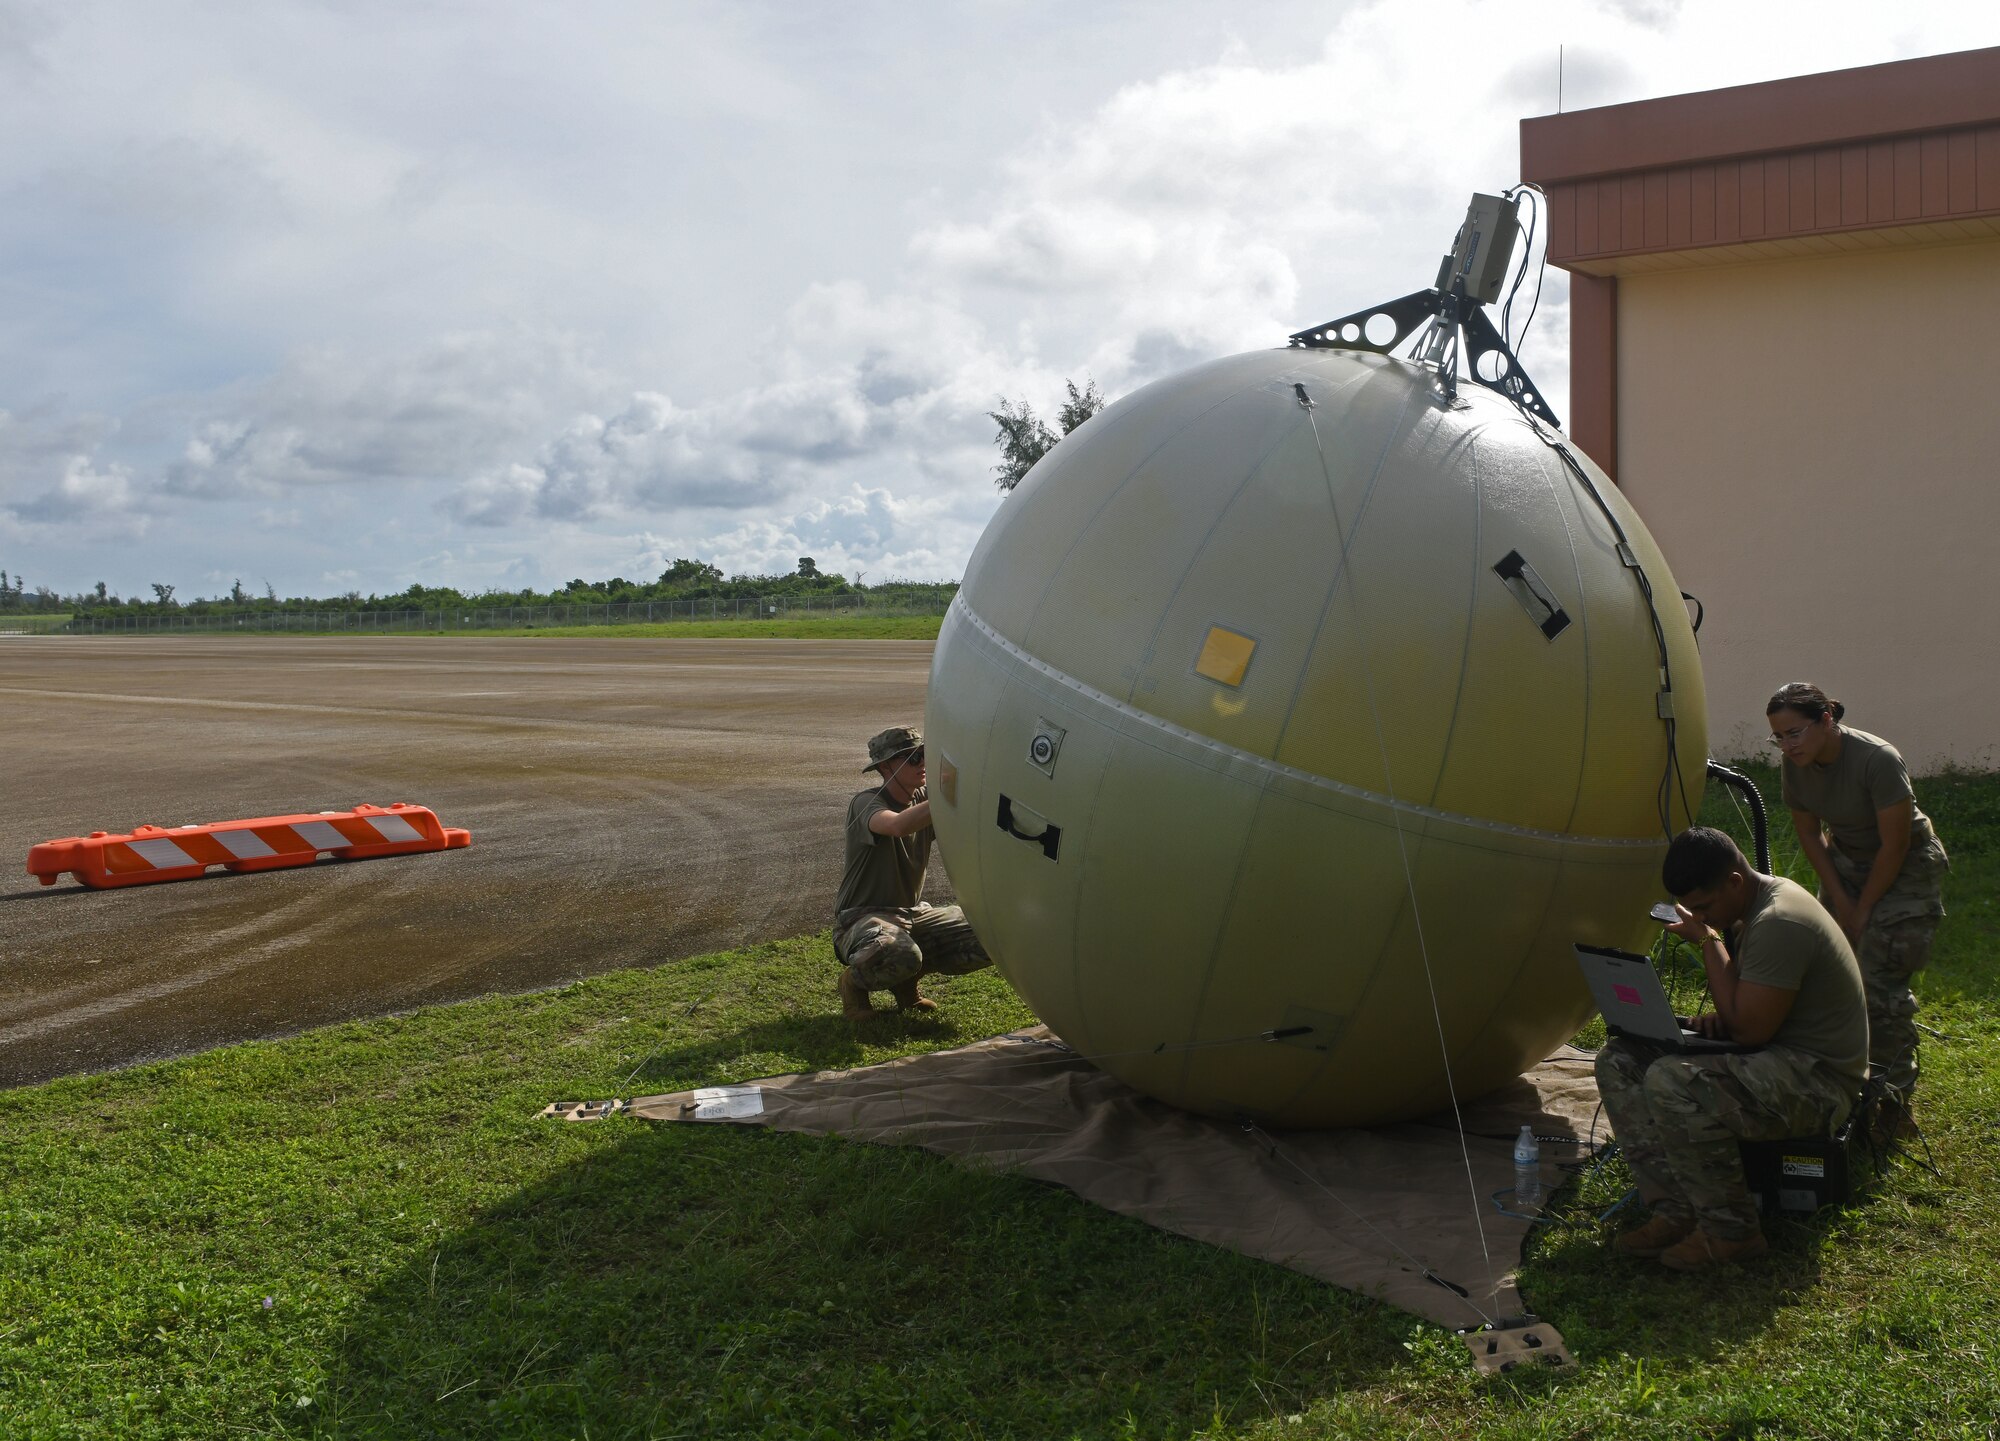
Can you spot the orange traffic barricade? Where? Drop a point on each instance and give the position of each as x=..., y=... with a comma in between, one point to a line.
x=180, y=853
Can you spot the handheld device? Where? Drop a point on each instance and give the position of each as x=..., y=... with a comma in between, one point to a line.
x=1666, y=913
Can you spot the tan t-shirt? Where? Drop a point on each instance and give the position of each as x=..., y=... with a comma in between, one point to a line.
x=1786, y=939
x=1867, y=776
x=882, y=873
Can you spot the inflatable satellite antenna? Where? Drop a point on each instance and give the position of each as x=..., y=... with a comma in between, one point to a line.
x=1299, y=713
x=1470, y=278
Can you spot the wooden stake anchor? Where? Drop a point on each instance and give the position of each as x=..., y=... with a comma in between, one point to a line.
x=582, y=1110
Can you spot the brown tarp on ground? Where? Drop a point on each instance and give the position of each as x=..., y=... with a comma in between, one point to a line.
x=1371, y=1210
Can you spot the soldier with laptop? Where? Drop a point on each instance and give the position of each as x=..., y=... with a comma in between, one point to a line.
x=1785, y=983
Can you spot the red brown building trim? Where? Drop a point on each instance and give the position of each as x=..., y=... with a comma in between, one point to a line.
x=1872, y=103
x=1920, y=179
x=1593, y=384
x=1885, y=154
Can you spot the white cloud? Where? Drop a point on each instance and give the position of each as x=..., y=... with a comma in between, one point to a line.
x=865, y=529
x=856, y=385
x=331, y=416
x=85, y=492
x=39, y=440
x=1222, y=207
x=167, y=185
x=55, y=479
x=362, y=291
x=1658, y=14
x=24, y=29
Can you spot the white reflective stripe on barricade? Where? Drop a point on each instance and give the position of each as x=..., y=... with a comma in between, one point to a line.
x=394, y=828
x=244, y=845
x=320, y=835
x=163, y=855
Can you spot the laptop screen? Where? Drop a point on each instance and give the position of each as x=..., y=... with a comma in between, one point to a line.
x=1628, y=993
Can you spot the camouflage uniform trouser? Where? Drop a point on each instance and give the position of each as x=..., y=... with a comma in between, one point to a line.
x=1678, y=1119
x=888, y=948
x=1889, y=955
x=1893, y=948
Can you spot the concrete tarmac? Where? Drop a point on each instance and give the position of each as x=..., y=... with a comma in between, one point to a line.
x=630, y=801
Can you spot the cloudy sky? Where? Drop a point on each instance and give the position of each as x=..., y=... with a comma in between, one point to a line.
x=339, y=294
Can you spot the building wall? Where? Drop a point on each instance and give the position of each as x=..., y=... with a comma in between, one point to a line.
x=1815, y=443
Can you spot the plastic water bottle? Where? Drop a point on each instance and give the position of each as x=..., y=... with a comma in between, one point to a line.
x=1527, y=1169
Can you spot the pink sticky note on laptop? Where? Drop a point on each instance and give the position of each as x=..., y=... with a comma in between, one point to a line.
x=1627, y=995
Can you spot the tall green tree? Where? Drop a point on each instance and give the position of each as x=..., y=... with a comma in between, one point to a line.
x=1024, y=437
x=684, y=574
x=1081, y=405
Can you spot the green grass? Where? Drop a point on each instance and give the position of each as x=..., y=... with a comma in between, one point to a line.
x=440, y=1263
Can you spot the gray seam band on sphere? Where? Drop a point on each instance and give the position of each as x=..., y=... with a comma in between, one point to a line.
x=1239, y=757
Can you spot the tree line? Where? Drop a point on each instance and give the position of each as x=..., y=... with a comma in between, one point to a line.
x=686, y=579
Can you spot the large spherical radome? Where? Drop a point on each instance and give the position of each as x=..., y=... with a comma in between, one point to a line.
x=1337, y=720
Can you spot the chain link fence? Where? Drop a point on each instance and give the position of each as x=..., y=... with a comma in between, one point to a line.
x=469, y=618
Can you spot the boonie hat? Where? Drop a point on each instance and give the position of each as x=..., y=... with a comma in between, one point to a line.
x=891, y=743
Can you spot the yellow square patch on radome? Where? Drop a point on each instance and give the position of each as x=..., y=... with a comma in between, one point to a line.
x=1225, y=655
x=948, y=780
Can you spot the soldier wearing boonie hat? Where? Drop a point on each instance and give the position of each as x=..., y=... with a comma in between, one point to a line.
x=884, y=935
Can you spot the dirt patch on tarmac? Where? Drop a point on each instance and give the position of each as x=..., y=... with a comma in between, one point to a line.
x=630, y=802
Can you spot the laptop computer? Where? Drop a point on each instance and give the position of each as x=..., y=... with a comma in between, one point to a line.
x=1629, y=994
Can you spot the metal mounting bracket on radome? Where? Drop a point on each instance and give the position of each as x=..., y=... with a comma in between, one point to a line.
x=1469, y=279
x=1507, y=1344
x=583, y=1110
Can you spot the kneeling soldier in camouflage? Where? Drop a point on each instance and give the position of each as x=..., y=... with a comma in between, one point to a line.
x=884, y=935
x=1784, y=980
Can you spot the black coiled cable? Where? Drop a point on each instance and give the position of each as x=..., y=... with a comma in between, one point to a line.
x=1759, y=822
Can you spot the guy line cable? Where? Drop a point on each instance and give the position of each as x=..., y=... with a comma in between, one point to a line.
x=1395, y=814
x=1252, y=1128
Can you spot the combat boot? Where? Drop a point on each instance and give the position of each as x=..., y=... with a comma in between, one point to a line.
x=1701, y=1249
x=854, y=1002
x=907, y=999
x=1653, y=1237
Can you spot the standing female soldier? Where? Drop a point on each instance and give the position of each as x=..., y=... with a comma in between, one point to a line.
x=1878, y=860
